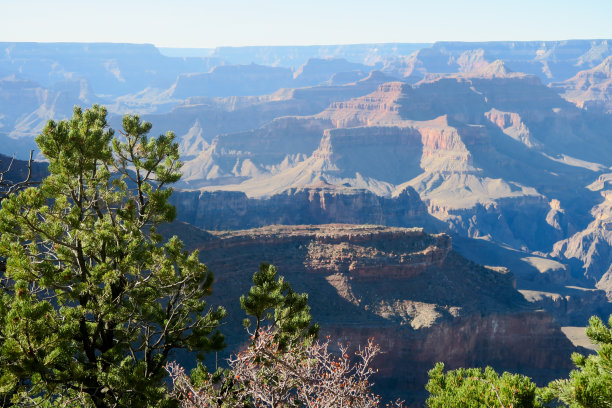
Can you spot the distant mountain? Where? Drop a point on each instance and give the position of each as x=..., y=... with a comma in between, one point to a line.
x=245, y=80
x=110, y=69
x=294, y=56
x=139, y=78
x=318, y=70
x=232, y=80
x=551, y=61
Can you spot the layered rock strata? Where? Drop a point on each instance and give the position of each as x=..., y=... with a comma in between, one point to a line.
x=409, y=290
x=222, y=210
x=591, y=88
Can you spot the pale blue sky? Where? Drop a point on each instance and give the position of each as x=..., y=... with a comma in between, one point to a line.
x=204, y=23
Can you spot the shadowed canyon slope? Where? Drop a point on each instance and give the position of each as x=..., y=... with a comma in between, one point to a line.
x=421, y=300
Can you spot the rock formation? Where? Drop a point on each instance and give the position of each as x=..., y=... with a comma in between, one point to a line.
x=223, y=210
x=472, y=164
x=409, y=290
x=593, y=245
x=590, y=89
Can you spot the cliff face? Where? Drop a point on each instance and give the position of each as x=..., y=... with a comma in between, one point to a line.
x=219, y=210
x=592, y=246
x=591, y=88
x=517, y=343
x=488, y=150
x=377, y=107
x=409, y=290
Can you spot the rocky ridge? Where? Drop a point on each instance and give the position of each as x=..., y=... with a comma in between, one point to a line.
x=223, y=210
x=551, y=61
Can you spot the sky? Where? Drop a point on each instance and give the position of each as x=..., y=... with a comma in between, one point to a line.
x=208, y=24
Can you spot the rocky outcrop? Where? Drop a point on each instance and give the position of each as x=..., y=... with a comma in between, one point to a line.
x=378, y=107
x=276, y=146
x=409, y=290
x=570, y=305
x=590, y=89
x=221, y=210
x=519, y=220
x=511, y=124
x=593, y=245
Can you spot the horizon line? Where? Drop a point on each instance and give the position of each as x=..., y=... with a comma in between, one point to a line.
x=302, y=45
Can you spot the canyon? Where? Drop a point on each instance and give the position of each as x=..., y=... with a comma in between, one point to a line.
x=377, y=178
x=410, y=290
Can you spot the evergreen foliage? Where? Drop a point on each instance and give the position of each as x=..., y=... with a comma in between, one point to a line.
x=275, y=308
x=284, y=365
x=590, y=385
x=475, y=387
x=93, y=303
x=272, y=301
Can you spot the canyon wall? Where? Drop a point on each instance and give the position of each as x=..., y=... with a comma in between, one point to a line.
x=221, y=210
x=419, y=299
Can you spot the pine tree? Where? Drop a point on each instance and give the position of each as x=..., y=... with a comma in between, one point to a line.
x=590, y=386
x=476, y=387
x=271, y=301
x=285, y=365
x=93, y=301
